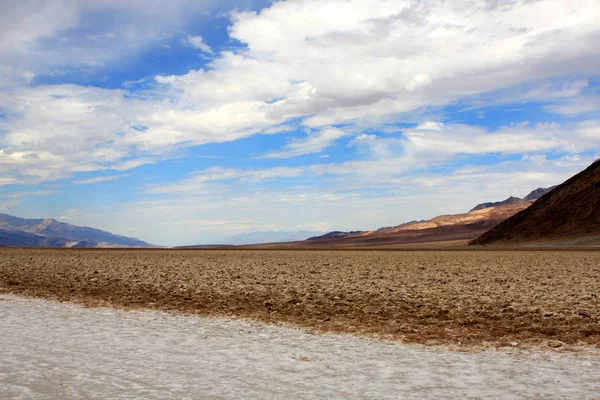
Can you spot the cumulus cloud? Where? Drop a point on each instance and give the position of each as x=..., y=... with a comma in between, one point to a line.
x=367, y=63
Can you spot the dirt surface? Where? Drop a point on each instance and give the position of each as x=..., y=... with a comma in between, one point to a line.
x=461, y=298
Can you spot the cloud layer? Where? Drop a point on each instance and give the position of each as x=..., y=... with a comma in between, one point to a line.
x=361, y=63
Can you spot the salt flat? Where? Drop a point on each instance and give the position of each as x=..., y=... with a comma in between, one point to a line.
x=55, y=350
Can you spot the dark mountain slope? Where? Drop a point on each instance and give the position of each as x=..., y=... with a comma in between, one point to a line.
x=569, y=212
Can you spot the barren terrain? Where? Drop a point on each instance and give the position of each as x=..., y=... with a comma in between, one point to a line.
x=461, y=298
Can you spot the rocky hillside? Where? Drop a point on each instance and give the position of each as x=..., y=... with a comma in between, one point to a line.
x=569, y=214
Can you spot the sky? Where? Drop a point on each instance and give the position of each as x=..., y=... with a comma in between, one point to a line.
x=185, y=122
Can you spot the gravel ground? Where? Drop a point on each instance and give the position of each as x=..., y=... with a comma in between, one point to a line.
x=56, y=350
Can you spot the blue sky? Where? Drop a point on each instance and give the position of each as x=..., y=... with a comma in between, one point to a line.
x=193, y=121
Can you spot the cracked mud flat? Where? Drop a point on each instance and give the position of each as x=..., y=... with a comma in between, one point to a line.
x=57, y=351
x=456, y=298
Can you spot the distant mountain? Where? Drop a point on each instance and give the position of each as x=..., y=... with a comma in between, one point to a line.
x=510, y=200
x=15, y=231
x=567, y=215
x=392, y=228
x=268, y=237
x=537, y=193
x=26, y=239
x=534, y=195
x=336, y=235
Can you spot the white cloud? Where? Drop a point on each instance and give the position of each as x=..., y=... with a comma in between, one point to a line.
x=418, y=81
x=366, y=63
x=198, y=182
x=7, y=205
x=49, y=38
x=393, y=159
x=433, y=142
x=576, y=106
x=315, y=142
x=6, y=180
x=28, y=76
x=198, y=43
x=430, y=126
x=18, y=195
x=98, y=179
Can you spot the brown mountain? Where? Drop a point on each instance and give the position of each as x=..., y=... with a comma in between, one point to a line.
x=444, y=230
x=567, y=215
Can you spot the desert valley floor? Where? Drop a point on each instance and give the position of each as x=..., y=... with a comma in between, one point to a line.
x=453, y=298
x=414, y=324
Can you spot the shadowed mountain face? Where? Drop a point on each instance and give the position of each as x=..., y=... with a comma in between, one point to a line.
x=537, y=193
x=15, y=231
x=567, y=215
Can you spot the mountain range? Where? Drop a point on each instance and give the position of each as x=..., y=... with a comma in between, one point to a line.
x=444, y=228
x=23, y=232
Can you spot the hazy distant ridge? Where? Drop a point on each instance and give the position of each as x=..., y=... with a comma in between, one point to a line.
x=268, y=237
x=15, y=231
